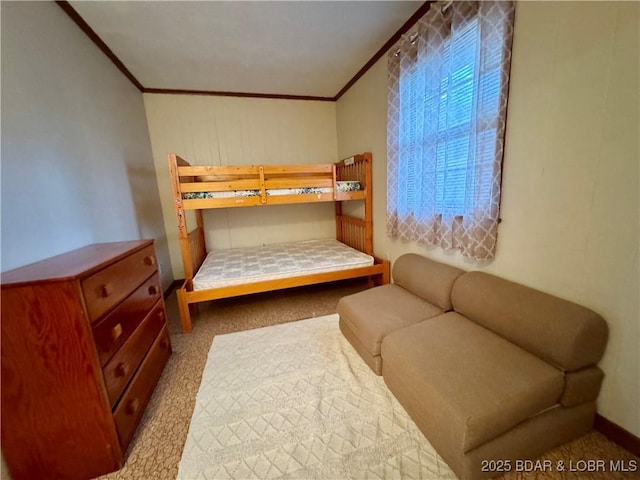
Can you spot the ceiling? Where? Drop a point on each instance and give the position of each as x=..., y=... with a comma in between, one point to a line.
x=302, y=48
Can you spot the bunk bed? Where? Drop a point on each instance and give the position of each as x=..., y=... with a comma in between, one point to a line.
x=220, y=273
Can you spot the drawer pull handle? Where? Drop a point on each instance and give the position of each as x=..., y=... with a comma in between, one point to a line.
x=121, y=369
x=164, y=344
x=153, y=290
x=106, y=290
x=116, y=331
x=132, y=406
x=150, y=261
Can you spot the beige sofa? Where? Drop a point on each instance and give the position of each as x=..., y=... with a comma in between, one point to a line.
x=491, y=371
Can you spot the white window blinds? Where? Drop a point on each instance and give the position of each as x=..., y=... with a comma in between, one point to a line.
x=447, y=104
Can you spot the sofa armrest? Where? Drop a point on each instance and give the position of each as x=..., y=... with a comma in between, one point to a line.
x=430, y=280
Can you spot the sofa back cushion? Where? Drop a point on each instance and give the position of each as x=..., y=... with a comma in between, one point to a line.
x=563, y=333
x=430, y=280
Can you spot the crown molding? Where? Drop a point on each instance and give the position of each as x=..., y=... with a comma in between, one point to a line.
x=378, y=55
x=84, y=26
x=93, y=36
x=171, y=91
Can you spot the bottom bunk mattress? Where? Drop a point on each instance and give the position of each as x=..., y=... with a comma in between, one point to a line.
x=237, y=266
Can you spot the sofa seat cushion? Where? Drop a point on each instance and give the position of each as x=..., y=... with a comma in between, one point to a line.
x=472, y=384
x=374, y=313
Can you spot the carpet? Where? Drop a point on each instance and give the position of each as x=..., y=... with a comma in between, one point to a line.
x=295, y=401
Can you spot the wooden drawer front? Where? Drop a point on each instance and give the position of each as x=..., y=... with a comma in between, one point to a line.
x=128, y=412
x=125, y=361
x=112, y=332
x=107, y=287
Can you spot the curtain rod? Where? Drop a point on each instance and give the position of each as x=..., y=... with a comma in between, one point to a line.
x=414, y=36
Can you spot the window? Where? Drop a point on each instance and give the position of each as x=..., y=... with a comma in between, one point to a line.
x=447, y=104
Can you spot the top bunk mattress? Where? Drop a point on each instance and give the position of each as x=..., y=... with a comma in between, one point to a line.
x=341, y=186
x=237, y=266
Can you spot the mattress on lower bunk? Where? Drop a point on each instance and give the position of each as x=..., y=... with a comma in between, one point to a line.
x=341, y=186
x=237, y=266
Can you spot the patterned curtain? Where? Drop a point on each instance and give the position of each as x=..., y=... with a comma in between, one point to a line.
x=447, y=99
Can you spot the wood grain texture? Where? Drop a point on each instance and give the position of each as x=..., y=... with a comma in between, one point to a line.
x=128, y=412
x=50, y=383
x=110, y=285
x=354, y=232
x=79, y=263
x=124, y=363
x=111, y=332
x=282, y=283
x=57, y=420
x=197, y=247
x=231, y=178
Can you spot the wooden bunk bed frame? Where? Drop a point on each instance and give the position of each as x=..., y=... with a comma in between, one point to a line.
x=352, y=231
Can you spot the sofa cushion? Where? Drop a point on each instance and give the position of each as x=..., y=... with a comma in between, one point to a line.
x=374, y=313
x=561, y=332
x=581, y=386
x=373, y=361
x=426, y=278
x=473, y=384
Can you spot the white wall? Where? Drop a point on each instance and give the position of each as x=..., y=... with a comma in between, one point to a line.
x=570, y=204
x=76, y=157
x=207, y=130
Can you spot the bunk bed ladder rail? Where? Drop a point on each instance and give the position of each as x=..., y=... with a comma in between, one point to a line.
x=190, y=243
x=353, y=231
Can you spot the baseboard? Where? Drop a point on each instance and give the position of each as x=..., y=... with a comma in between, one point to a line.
x=617, y=434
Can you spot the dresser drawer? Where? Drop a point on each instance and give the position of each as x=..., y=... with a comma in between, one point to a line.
x=119, y=370
x=106, y=288
x=113, y=330
x=130, y=408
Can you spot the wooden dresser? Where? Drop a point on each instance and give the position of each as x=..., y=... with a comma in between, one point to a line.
x=84, y=341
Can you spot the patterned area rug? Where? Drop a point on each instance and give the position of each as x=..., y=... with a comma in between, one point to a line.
x=295, y=401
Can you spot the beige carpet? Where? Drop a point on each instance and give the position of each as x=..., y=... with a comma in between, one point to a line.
x=157, y=446
x=296, y=401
